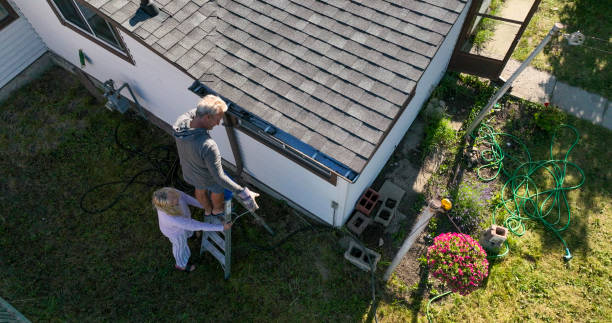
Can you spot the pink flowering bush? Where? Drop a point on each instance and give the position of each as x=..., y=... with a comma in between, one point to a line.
x=459, y=261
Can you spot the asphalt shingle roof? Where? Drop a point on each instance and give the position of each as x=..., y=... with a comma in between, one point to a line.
x=332, y=73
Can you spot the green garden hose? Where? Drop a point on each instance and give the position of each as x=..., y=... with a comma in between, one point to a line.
x=526, y=200
x=433, y=299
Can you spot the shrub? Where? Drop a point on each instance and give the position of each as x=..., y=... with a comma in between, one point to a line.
x=549, y=119
x=439, y=134
x=459, y=261
x=469, y=206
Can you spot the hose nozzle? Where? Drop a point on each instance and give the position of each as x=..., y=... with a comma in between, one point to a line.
x=567, y=255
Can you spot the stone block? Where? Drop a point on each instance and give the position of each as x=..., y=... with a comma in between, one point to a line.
x=359, y=256
x=358, y=223
x=367, y=201
x=493, y=237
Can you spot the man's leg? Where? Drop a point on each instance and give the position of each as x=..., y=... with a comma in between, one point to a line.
x=202, y=197
x=217, y=202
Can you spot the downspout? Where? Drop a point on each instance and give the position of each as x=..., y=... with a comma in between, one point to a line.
x=231, y=135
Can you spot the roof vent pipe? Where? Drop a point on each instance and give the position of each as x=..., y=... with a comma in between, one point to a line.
x=147, y=7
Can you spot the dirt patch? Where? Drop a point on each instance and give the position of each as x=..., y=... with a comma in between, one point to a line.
x=409, y=270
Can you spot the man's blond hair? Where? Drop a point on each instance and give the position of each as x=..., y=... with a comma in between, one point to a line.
x=210, y=104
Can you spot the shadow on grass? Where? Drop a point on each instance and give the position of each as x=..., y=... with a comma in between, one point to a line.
x=586, y=66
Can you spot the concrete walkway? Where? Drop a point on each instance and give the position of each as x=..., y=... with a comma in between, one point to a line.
x=541, y=87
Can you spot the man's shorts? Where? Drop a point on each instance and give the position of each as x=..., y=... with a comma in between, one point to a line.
x=214, y=188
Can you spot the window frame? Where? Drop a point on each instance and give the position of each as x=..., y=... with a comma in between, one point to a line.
x=12, y=14
x=122, y=53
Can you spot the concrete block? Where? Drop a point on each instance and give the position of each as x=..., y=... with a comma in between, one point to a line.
x=493, y=237
x=392, y=191
x=359, y=256
x=358, y=223
x=385, y=214
x=367, y=201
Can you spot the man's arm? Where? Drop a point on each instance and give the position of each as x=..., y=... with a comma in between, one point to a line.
x=212, y=158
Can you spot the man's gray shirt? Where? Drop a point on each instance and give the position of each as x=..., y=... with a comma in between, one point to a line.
x=199, y=155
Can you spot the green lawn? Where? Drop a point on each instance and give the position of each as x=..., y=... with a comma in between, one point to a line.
x=587, y=66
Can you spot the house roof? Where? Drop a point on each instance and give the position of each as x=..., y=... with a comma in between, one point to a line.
x=334, y=74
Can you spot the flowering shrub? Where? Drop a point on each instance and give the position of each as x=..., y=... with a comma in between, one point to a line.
x=459, y=261
x=470, y=205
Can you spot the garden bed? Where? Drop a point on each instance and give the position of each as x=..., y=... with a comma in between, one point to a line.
x=474, y=201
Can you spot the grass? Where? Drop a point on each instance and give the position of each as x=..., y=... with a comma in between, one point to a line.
x=586, y=66
x=60, y=263
x=533, y=283
x=486, y=26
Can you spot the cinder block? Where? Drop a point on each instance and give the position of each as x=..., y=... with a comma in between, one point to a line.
x=358, y=223
x=386, y=212
x=367, y=202
x=493, y=237
x=359, y=257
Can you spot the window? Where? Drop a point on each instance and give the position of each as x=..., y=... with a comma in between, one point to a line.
x=90, y=24
x=7, y=14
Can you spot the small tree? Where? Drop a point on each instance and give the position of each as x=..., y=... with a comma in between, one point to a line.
x=459, y=261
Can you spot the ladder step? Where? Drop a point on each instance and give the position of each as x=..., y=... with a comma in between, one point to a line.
x=217, y=239
x=217, y=254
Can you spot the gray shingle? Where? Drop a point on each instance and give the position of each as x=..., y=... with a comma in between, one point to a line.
x=165, y=28
x=112, y=6
x=125, y=13
x=193, y=21
x=170, y=39
x=189, y=59
x=174, y=6
x=176, y=52
x=186, y=11
x=194, y=37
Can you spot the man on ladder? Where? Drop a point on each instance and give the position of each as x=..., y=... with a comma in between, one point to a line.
x=201, y=160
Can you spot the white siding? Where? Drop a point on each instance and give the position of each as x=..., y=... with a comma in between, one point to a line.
x=20, y=46
x=430, y=79
x=292, y=180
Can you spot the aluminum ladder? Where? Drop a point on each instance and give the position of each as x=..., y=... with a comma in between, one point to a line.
x=219, y=243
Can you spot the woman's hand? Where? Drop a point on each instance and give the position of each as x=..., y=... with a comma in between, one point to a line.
x=227, y=225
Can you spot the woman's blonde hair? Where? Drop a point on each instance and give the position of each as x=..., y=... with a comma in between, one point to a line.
x=163, y=198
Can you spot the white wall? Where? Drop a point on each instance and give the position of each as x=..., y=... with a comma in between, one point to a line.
x=429, y=80
x=20, y=47
x=292, y=180
x=158, y=85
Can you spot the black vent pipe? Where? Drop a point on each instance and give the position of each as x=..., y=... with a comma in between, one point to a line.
x=147, y=7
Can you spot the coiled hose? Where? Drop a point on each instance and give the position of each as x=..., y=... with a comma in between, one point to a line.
x=526, y=200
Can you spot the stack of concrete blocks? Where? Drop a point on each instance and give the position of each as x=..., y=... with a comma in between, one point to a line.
x=361, y=219
x=391, y=195
x=493, y=237
x=359, y=256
